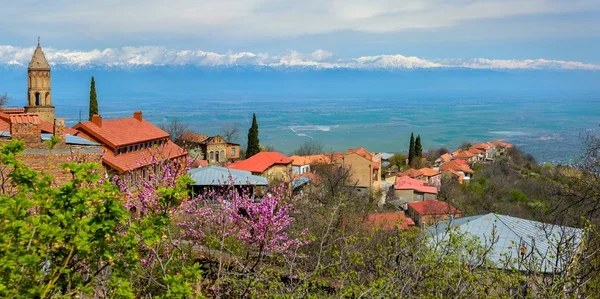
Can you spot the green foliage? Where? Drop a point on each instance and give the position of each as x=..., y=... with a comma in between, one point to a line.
x=93, y=100
x=411, y=149
x=418, y=148
x=56, y=241
x=517, y=196
x=253, y=147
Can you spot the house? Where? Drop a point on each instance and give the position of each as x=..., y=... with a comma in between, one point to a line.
x=459, y=167
x=214, y=177
x=443, y=159
x=216, y=150
x=431, y=176
x=412, y=173
x=365, y=166
x=408, y=190
x=465, y=156
x=130, y=144
x=479, y=154
x=301, y=164
x=272, y=165
x=501, y=147
x=488, y=148
x=430, y=211
x=545, y=247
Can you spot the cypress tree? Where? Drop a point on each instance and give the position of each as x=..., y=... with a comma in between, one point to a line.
x=93, y=100
x=418, y=148
x=411, y=149
x=253, y=143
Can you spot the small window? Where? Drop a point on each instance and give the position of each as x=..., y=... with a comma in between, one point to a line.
x=233, y=151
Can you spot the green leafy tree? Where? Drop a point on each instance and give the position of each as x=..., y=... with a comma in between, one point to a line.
x=93, y=99
x=253, y=142
x=57, y=241
x=418, y=148
x=411, y=149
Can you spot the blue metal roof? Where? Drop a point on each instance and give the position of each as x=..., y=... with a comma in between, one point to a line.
x=300, y=181
x=513, y=233
x=71, y=139
x=217, y=176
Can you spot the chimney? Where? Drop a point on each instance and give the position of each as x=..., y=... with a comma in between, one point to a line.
x=59, y=129
x=137, y=115
x=97, y=120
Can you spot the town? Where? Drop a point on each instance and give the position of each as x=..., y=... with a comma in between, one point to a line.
x=391, y=193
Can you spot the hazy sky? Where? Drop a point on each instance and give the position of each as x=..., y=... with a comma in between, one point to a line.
x=434, y=30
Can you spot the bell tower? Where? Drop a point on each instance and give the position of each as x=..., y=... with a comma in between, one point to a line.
x=39, y=94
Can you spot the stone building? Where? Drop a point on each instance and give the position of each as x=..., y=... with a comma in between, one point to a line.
x=364, y=165
x=39, y=93
x=37, y=154
x=216, y=150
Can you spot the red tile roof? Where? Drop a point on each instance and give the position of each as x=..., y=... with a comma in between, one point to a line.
x=122, y=131
x=25, y=119
x=502, y=144
x=456, y=166
x=446, y=157
x=433, y=207
x=308, y=160
x=261, y=162
x=199, y=163
x=140, y=158
x=13, y=110
x=407, y=183
x=359, y=151
x=464, y=155
x=389, y=221
x=429, y=172
x=476, y=151
x=193, y=137
x=483, y=146
x=413, y=173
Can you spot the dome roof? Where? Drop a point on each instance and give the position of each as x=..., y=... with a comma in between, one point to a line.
x=38, y=61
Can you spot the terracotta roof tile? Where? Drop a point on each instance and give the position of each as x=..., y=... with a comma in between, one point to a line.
x=122, y=131
x=460, y=176
x=193, y=137
x=310, y=160
x=13, y=110
x=429, y=172
x=433, y=207
x=445, y=157
x=140, y=158
x=502, y=144
x=456, y=166
x=199, y=163
x=413, y=173
x=25, y=119
x=407, y=183
x=261, y=162
x=464, y=155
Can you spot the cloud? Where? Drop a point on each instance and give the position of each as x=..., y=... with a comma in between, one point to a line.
x=319, y=59
x=261, y=18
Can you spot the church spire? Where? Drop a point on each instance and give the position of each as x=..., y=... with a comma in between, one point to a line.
x=38, y=60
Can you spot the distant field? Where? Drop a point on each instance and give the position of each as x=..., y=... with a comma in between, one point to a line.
x=545, y=115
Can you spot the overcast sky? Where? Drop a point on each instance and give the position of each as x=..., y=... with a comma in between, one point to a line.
x=344, y=31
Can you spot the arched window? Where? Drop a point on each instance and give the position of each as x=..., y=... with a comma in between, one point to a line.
x=38, y=100
x=217, y=156
x=212, y=156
